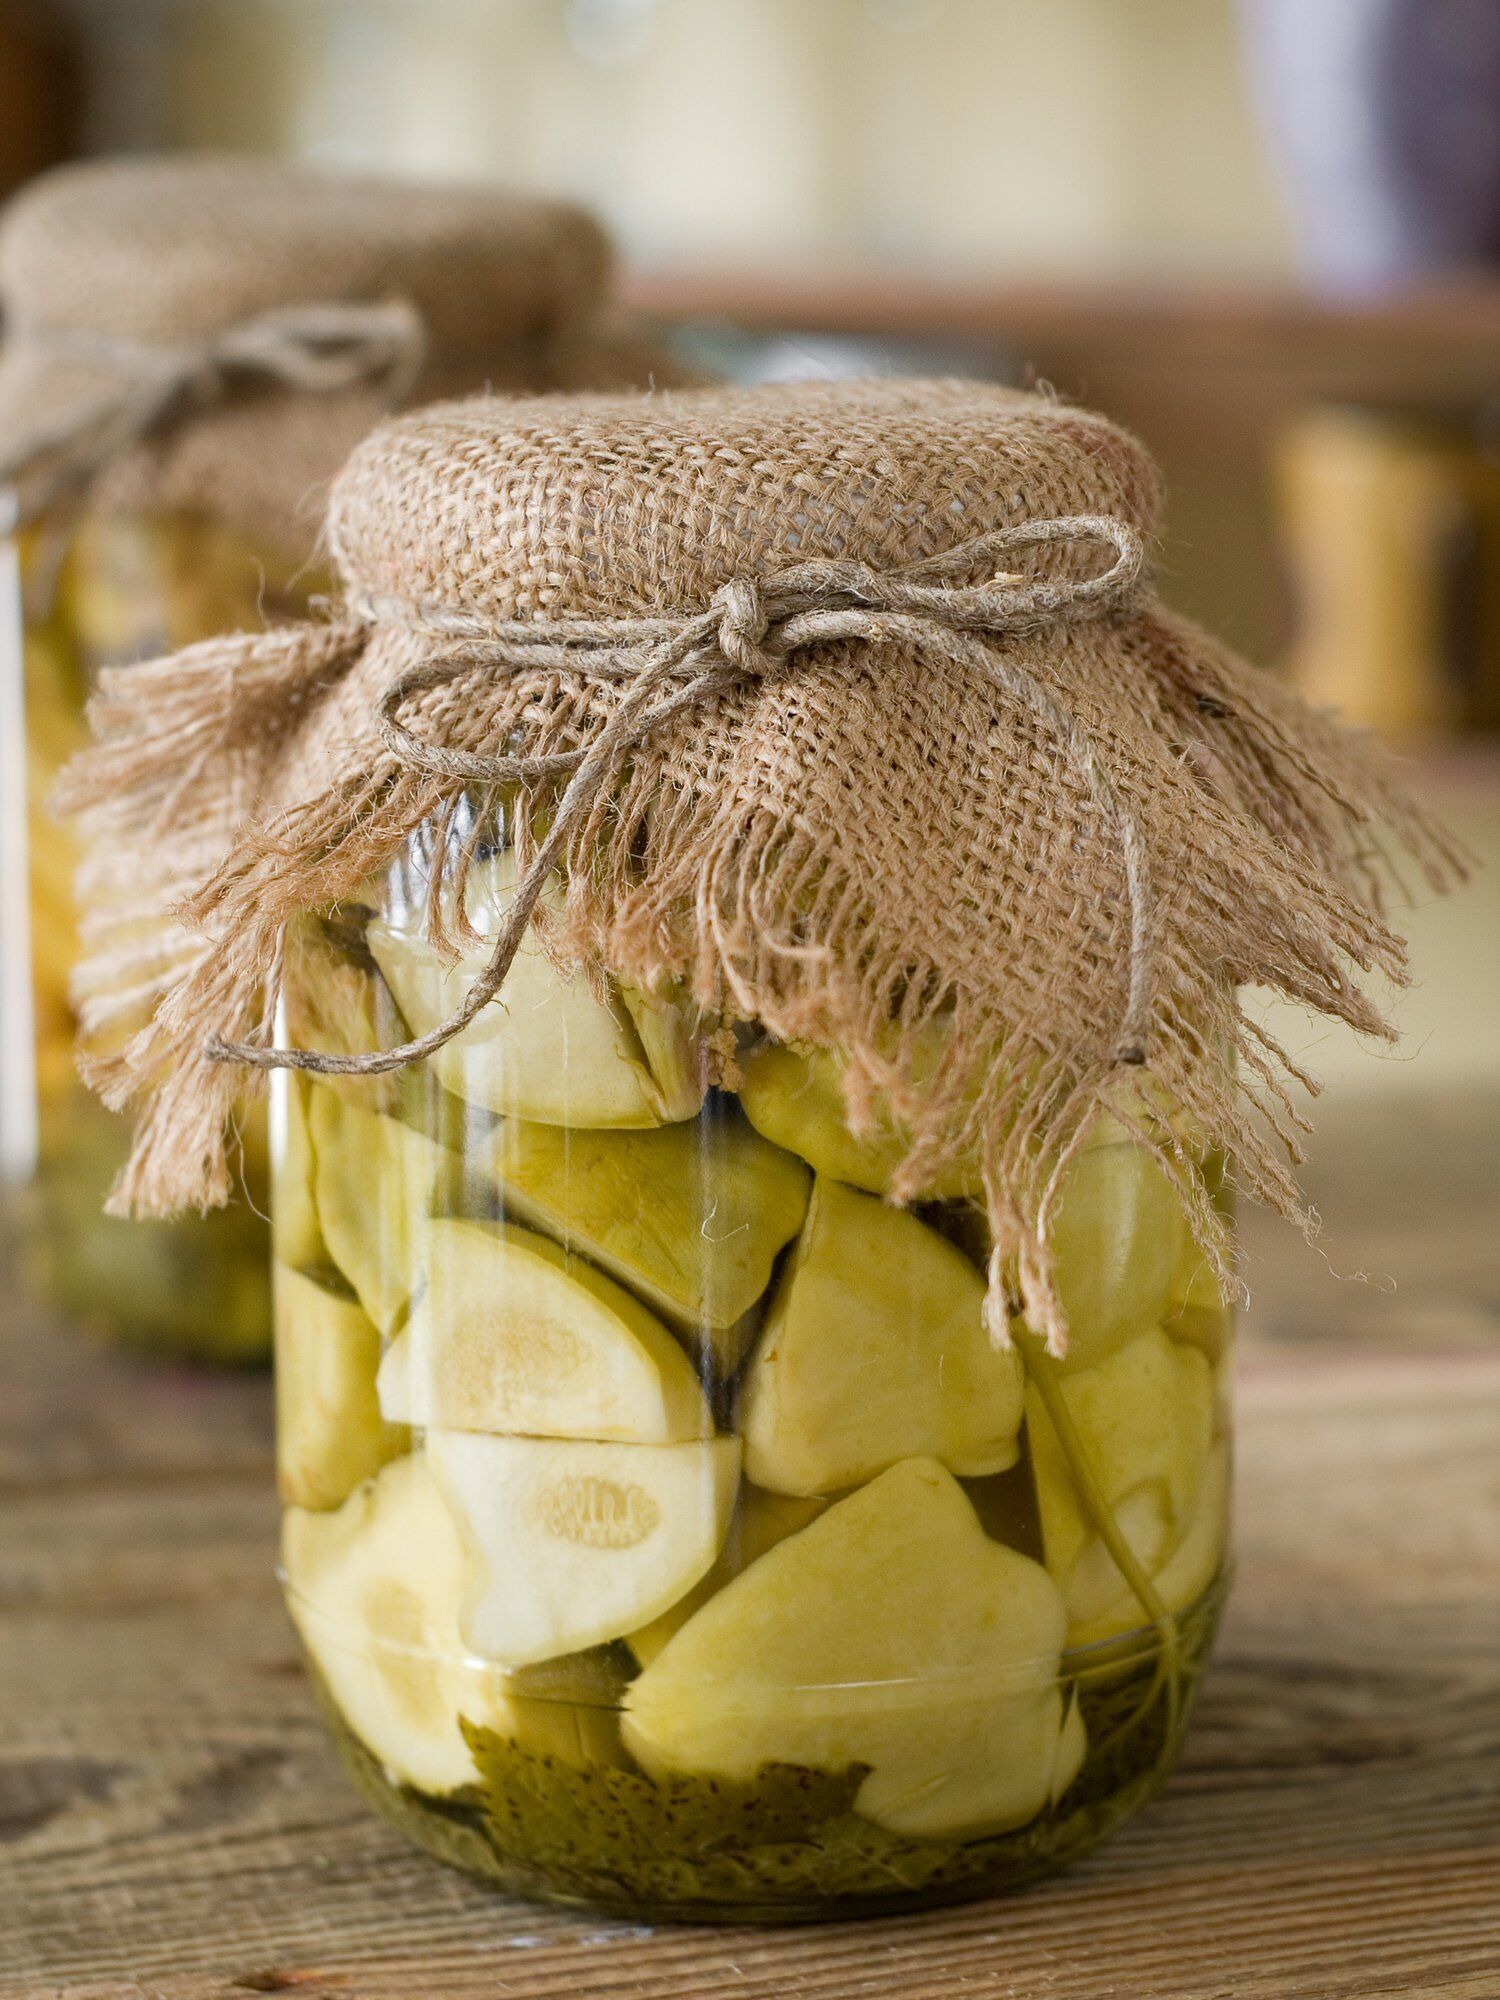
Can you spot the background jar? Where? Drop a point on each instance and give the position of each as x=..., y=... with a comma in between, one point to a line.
x=296, y=308
x=99, y=590
x=662, y=1527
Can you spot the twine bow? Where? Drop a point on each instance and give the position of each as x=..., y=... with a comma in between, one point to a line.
x=750, y=630
x=319, y=349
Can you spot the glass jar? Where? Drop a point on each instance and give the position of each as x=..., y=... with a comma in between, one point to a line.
x=663, y=1529
x=115, y=588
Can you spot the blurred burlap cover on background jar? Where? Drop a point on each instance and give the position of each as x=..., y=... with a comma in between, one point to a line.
x=847, y=711
x=217, y=333
x=192, y=347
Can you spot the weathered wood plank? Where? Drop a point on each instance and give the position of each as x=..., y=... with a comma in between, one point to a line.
x=71, y=1410
x=173, y=1824
x=1406, y=1186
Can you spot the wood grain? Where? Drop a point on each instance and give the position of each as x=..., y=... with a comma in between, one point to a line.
x=173, y=1825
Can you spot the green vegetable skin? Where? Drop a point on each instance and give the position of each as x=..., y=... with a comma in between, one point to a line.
x=663, y=1531
x=130, y=587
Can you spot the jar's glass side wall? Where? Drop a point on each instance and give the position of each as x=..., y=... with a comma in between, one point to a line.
x=662, y=1528
x=105, y=591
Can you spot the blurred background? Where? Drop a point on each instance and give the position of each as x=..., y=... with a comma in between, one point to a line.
x=1263, y=233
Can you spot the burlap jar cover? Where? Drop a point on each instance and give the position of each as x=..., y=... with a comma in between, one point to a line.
x=216, y=333
x=852, y=711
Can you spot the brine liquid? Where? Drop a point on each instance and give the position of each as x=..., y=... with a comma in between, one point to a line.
x=663, y=1529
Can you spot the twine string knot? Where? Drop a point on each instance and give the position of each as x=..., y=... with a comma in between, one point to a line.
x=744, y=625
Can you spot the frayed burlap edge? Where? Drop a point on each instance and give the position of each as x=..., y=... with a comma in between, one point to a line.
x=668, y=887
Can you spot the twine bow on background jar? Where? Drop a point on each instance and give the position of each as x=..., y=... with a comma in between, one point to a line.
x=752, y=627
x=317, y=349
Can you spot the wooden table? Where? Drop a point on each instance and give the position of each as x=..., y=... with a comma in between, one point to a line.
x=174, y=1827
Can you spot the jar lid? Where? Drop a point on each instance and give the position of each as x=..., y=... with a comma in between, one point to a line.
x=599, y=506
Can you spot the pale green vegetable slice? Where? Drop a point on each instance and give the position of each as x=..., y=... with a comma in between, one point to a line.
x=1199, y=1312
x=1201, y=1552
x=873, y=1350
x=691, y=1216
x=1119, y=1228
x=330, y=1434
x=795, y=1098
x=1142, y=1421
x=577, y=1542
x=377, y=1183
x=760, y=1521
x=376, y=1591
x=674, y=1060
x=1072, y=1748
x=1099, y=1599
x=508, y=1333
x=1207, y=1328
x=547, y=1047
x=1182, y=1579
x=296, y=1234
x=891, y=1632
x=1116, y=1244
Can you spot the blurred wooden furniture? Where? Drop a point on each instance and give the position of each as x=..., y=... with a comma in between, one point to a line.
x=1390, y=536
x=42, y=74
x=173, y=1823
x=1206, y=376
